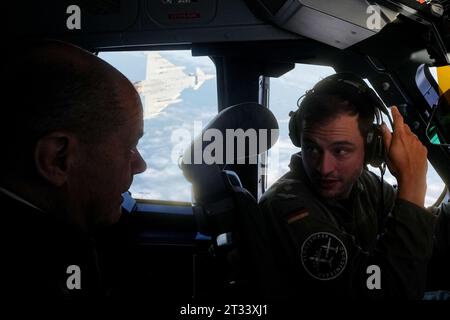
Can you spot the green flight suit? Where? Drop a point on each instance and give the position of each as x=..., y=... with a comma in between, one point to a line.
x=369, y=247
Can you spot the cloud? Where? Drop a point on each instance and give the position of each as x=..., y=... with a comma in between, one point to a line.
x=166, y=183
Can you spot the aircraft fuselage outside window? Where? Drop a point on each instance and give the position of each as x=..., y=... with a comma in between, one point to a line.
x=179, y=97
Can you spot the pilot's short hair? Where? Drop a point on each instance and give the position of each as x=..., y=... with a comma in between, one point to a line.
x=322, y=107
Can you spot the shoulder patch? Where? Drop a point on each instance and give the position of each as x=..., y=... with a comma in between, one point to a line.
x=296, y=215
x=323, y=256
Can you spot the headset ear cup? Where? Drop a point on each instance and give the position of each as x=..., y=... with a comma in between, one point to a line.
x=380, y=154
x=294, y=132
x=375, y=153
x=368, y=148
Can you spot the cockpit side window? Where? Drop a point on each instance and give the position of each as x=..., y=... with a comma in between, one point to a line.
x=284, y=93
x=179, y=97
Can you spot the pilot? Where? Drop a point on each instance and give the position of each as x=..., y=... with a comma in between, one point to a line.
x=69, y=133
x=337, y=231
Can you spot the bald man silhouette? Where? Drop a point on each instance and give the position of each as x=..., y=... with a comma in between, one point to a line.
x=69, y=134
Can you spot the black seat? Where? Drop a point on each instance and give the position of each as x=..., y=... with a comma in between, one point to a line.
x=227, y=212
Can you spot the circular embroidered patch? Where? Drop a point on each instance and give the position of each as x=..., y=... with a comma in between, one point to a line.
x=323, y=256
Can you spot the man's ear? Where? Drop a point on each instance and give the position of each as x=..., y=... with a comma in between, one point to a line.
x=53, y=155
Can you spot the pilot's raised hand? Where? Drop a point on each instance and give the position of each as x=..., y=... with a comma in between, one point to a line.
x=407, y=160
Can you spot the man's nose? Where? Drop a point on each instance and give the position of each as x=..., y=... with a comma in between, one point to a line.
x=327, y=164
x=139, y=164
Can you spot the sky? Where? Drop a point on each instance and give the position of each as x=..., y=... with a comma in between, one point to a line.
x=162, y=142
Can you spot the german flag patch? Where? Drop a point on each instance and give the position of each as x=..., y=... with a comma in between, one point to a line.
x=297, y=215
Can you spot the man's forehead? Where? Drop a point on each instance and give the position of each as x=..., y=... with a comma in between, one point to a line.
x=330, y=139
x=340, y=129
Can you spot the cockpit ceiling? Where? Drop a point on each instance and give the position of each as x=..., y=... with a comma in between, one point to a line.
x=343, y=23
x=126, y=23
x=340, y=24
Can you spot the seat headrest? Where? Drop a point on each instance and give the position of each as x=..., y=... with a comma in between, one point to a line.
x=236, y=134
x=245, y=130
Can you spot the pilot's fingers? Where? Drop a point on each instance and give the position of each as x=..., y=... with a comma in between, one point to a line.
x=408, y=129
x=387, y=136
x=398, y=120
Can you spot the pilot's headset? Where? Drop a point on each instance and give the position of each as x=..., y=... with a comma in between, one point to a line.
x=349, y=87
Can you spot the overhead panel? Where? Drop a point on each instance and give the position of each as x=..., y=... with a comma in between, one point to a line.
x=338, y=23
x=176, y=12
x=56, y=16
